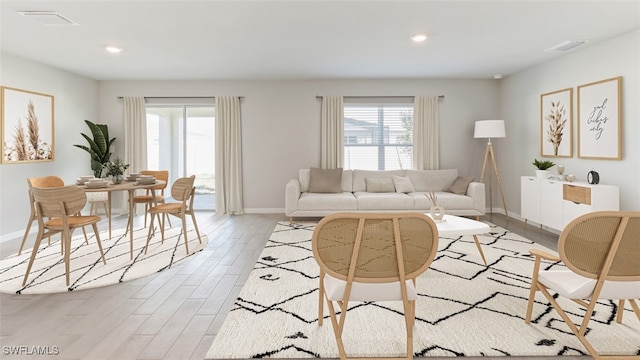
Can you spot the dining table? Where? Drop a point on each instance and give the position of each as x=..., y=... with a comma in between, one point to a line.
x=130, y=187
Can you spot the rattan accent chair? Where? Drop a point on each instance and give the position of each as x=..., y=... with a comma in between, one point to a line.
x=40, y=182
x=601, y=251
x=62, y=205
x=183, y=192
x=372, y=257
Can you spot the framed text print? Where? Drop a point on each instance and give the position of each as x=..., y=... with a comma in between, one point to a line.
x=27, y=126
x=556, y=117
x=600, y=119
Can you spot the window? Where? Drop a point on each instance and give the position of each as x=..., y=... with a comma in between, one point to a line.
x=378, y=136
x=181, y=139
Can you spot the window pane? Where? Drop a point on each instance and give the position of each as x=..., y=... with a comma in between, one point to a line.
x=378, y=137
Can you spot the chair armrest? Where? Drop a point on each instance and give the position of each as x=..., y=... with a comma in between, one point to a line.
x=475, y=190
x=543, y=254
x=292, y=194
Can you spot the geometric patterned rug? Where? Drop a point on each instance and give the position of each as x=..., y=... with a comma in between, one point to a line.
x=87, y=269
x=464, y=308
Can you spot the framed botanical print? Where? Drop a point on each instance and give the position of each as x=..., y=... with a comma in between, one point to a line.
x=600, y=119
x=27, y=126
x=556, y=124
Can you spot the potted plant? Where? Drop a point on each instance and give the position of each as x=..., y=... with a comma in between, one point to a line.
x=542, y=167
x=115, y=169
x=99, y=147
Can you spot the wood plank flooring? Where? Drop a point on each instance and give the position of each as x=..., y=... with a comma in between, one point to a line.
x=174, y=314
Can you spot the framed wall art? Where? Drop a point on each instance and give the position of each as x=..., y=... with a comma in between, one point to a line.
x=600, y=119
x=556, y=123
x=27, y=126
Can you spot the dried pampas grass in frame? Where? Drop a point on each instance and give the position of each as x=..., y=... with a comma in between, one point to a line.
x=27, y=126
x=556, y=124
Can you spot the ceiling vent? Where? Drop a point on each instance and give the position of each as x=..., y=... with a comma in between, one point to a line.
x=47, y=17
x=566, y=46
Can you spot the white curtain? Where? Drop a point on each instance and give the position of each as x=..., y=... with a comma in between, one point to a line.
x=228, y=156
x=332, y=132
x=425, y=133
x=135, y=138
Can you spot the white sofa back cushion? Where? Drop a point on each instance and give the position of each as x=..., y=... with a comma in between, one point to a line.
x=360, y=177
x=304, y=176
x=432, y=180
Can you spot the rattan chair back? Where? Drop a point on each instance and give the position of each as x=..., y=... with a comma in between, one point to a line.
x=159, y=175
x=60, y=201
x=603, y=242
x=182, y=188
x=370, y=241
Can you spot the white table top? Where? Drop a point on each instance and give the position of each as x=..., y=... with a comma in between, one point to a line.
x=457, y=226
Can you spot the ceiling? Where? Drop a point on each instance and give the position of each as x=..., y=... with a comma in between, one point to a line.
x=306, y=39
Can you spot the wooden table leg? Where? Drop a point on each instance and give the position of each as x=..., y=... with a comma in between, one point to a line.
x=109, y=211
x=131, y=204
x=475, y=238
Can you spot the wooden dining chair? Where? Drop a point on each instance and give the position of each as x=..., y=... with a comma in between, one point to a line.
x=40, y=182
x=183, y=192
x=601, y=251
x=148, y=198
x=372, y=257
x=62, y=206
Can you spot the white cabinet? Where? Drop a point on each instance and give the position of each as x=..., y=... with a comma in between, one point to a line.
x=555, y=203
x=530, y=195
x=551, y=203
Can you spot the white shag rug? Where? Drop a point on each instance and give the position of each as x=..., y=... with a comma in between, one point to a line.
x=87, y=270
x=464, y=308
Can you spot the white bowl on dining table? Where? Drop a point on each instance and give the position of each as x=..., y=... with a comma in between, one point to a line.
x=146, y=179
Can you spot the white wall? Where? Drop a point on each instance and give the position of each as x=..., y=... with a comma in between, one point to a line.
x=281, y=122
x=520, y=107
x=75, y=99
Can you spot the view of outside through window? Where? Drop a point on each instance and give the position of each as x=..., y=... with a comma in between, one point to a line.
x=182, y=140
x=378, y=137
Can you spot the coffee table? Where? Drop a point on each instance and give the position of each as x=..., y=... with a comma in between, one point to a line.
x=452, y=225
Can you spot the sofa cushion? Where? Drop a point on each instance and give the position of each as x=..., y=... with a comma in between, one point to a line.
x=447, y=200
x=327, y=201
x=304, y=176
x=403, y=184
x=325, y=180
x=360, y=176
x=460, y=185
x=384, y=201
x=375, y=185
x=432, y=180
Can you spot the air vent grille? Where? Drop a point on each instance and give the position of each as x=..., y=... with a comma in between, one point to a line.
x=47, y=17
x=566, y=46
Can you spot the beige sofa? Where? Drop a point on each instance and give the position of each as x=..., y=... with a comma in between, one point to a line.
x=361, y=191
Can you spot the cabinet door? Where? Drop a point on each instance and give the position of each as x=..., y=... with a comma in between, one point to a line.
x=551, y=204
x=530, y=198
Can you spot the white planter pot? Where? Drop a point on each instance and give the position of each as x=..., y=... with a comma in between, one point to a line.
x=542, y=173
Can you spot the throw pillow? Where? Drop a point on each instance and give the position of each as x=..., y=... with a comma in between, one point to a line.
x=403, y=184
x=375, y=185
x=325, y=180
x=460, y=185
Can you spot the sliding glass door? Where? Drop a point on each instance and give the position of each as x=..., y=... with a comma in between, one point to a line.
x=181, y=138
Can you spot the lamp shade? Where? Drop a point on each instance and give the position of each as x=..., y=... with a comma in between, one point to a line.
x=489, y=129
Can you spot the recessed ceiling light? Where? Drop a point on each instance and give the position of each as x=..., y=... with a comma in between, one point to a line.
x=113, y=49
x=419, y=37
x=497, y=76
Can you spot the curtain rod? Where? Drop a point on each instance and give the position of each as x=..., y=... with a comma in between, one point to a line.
x=178, y=97
x=374, y=96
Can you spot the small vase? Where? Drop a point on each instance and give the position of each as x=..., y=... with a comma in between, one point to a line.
x=437, y=212
x=117, y=179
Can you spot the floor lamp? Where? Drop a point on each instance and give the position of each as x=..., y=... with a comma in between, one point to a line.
x=487, y=129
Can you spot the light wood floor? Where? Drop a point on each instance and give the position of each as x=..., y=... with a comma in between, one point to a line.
x=171, y=315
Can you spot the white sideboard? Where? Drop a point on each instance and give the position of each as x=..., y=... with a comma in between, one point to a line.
x=555, y=203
